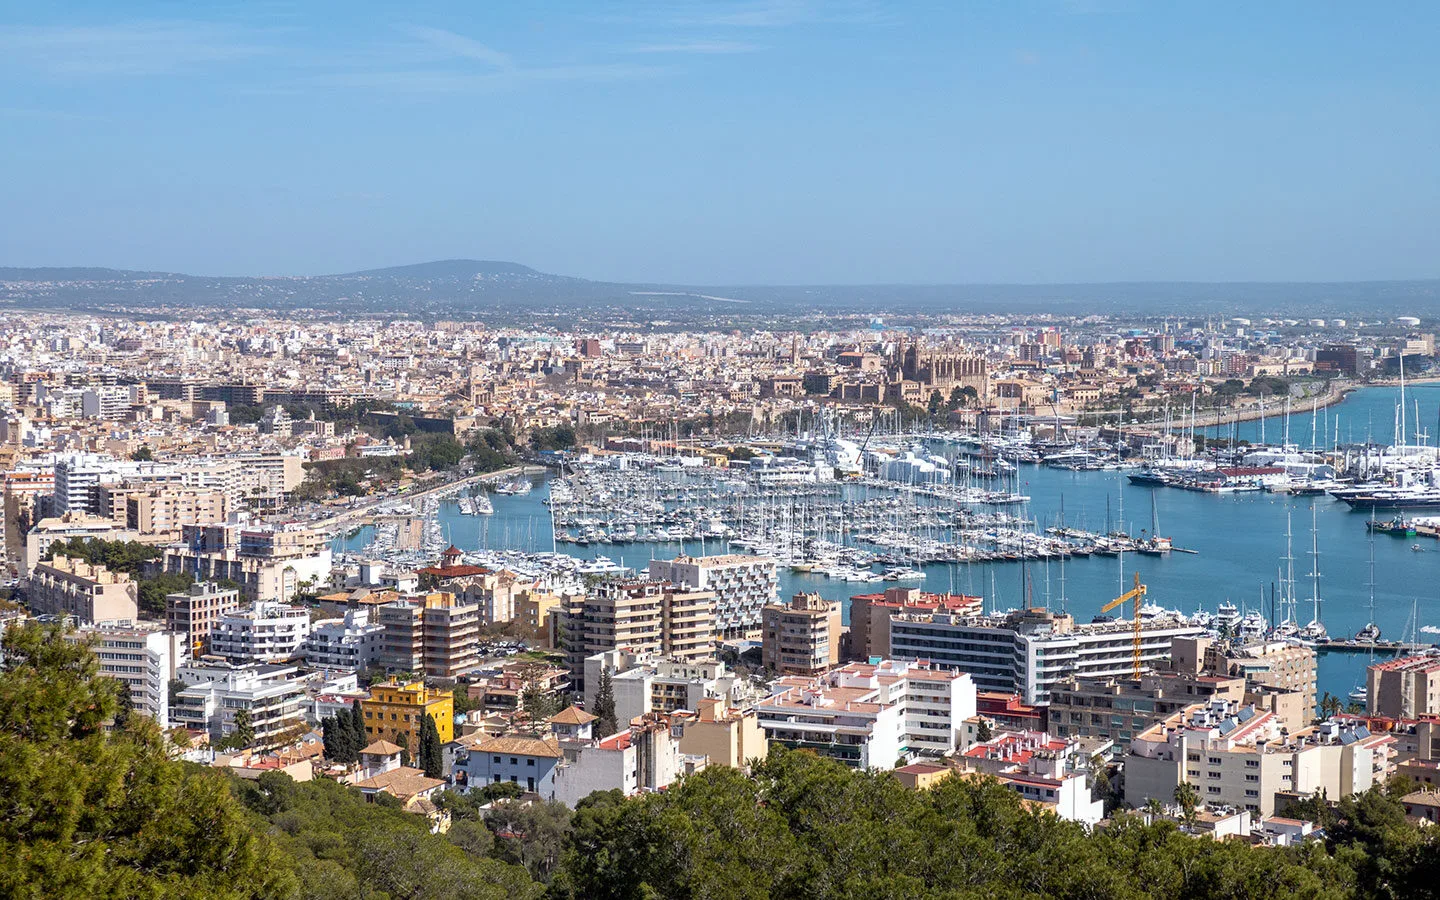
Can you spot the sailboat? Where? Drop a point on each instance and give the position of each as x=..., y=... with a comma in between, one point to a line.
x=1155, y=545
x=1314, y=630
x=1288, y=627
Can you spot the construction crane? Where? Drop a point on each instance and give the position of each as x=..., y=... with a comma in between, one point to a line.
x=1138, y=595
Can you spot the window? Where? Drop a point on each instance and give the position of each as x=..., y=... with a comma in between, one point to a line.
x=514, y=761
x=1252, y=793
x=1214, y=789
x=530, y=762
x=496, y=759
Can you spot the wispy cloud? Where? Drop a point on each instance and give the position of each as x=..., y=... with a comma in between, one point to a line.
x=133, y=49
x=458, y=45
x=699, y=47
x=779, y=13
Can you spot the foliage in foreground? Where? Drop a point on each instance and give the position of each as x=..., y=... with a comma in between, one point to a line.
x=88, y=810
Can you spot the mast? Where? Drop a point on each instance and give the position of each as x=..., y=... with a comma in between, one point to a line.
x=1314, y=567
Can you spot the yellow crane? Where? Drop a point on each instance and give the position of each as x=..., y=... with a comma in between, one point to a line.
x=1138, y=595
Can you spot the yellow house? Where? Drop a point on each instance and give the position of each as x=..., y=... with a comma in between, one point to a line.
x=394, y=710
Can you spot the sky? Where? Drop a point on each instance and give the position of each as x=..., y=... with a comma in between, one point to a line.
x=727, y=141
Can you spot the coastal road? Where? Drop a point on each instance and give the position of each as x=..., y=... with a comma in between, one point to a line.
x=357, y=516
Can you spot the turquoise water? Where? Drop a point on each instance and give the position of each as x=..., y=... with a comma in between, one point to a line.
x=1239, y=539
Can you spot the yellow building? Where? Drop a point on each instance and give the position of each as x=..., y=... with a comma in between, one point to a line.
x=394, y=710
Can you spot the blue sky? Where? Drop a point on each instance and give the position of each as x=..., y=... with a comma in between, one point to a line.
x=714, y=142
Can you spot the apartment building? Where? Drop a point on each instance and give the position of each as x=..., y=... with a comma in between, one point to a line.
x=723, y=734
x=871, y=715
x=1404, y=688
x=644, y=757
x=271, y=695
x=645, y=682
x=1042, y=769
x=1274, y=664
x=435, y=633
x=644, y=615
x=1118, y=708
x=162, y=509
x=265, y=632
x=742, y=586
x=396, y=710
x=864, y=608
x=72, y=587
x=352, y=643
x=77, y=477
x=1241, y=757
x=196, y=610
x=144, y=657
x=58, y=529
x=801, y=637
x=269, y=564
x=1027, y=652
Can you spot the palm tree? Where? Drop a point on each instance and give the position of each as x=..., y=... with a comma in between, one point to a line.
x=1329, y=705
x=1189, y=799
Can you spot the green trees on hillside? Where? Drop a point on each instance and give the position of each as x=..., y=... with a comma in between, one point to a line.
x=87, y=812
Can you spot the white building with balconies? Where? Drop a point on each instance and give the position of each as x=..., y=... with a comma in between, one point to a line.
x=265, y=632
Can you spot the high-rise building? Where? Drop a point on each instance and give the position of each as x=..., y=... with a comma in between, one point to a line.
x=352, y=643
x=144, y=657
x=742, y=586
x=1027, y=652
x=639, y=614
x=196, y=610
x=801, y=637
x=264, y=633
x=437, y=634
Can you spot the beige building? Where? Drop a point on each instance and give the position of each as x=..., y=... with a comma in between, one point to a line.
x=728, y=737
x=435, y=633
x=196, y=611
x=92, y=594
x=1116, y=708
x=1238, y=756
x=640, y=614
x=161, y=509
x=1404, y=688
x=801, y=637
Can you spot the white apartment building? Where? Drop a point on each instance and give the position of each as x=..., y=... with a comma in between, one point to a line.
x=77, y=476
x=145, y=659
x=273, y=696
x=107, y=401
x=1041, y=769
x=1240, y=757
x=351, y=643
x=644, y=757
x=742, y=585
x=265, y=632
x=647, y=682
x=871, y=715
x=1028, y=652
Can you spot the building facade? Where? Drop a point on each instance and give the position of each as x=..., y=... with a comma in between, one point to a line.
x=396, y=710
x=801, y=637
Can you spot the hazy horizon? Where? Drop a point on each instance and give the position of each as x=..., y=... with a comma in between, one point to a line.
x=763, y=142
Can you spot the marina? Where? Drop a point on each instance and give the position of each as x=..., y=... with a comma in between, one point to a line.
x=1239, y=539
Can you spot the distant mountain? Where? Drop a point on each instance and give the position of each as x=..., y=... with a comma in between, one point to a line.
x=459, y=269
x=507, y=291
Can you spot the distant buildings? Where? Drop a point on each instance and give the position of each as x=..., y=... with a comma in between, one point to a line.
x=644, y=682
x=436, y=634
x=269, y=564
x=352, y=643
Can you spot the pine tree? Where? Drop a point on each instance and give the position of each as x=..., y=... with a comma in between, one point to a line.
x=605, y=706
x=330, y=732
x=432, y=759
x=357, y=729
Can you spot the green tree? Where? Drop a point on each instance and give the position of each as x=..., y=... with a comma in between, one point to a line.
x=1188, y=799
x=357, y=726
x=143, y=454
x=91, y=812
x=606, y=723
x=432, y=759
x=244, y=734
